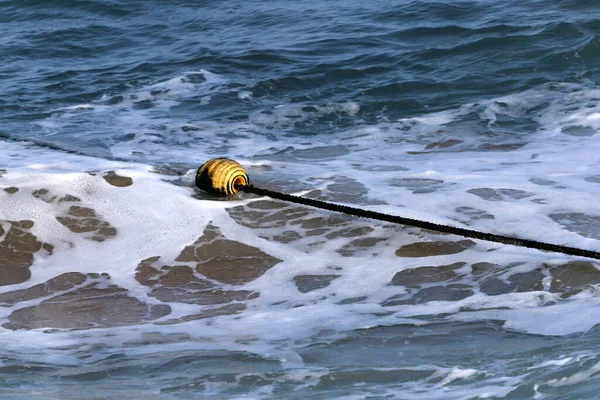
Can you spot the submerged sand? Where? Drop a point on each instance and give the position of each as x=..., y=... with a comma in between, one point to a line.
x=214, y=271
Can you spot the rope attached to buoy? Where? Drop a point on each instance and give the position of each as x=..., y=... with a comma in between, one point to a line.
x=224, y=176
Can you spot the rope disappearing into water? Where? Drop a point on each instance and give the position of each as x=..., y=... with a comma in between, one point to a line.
x=226, y=177
x=490, y=237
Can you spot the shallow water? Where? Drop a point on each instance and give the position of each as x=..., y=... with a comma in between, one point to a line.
x=119, y=277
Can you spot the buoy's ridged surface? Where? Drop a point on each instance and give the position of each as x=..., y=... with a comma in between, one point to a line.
x=221, y=176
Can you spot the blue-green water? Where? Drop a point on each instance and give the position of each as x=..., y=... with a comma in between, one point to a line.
x=483, y=113
x=396, y=59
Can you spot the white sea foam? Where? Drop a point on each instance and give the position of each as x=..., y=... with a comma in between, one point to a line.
x=539, y=183
x=559, y=362
x=286, y=115
x=519, y=187
x=576, y=378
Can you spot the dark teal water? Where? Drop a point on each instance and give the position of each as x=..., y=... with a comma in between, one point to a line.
x=397, y=59
x=173, y=83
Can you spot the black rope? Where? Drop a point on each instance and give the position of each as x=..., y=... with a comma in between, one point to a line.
x=533, y=244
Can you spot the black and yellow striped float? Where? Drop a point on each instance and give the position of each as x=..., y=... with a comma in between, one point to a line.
x=222, y=176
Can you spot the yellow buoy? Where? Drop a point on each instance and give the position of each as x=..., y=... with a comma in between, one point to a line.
x=221, y=176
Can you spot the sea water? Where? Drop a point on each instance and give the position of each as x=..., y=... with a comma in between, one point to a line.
x=119, y=279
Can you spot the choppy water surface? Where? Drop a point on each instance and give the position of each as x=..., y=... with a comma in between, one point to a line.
x=118, y=278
